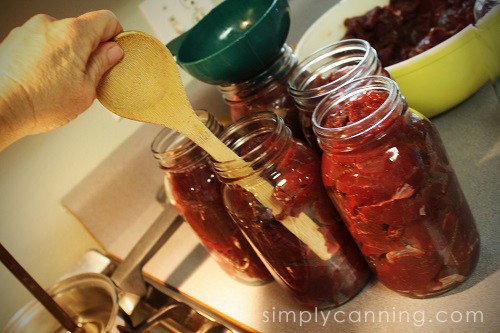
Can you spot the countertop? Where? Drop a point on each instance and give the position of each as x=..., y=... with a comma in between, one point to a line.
x=117, y=203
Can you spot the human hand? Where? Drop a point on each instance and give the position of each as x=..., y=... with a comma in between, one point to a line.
x=49, y=70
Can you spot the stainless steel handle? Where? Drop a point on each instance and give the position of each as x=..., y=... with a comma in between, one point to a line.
x=128, y=276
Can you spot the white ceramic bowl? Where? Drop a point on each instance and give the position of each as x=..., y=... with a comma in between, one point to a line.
x=433, y=81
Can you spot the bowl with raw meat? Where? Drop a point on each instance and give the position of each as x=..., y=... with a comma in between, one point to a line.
x=433, y=49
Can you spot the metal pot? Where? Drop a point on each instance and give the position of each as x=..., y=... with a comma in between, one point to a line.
x=90, y=299
x=94, y=300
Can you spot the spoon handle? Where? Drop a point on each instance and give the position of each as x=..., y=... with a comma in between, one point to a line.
x=41, y=295
x=303, y=227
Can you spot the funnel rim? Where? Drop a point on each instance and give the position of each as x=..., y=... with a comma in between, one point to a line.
x=237, y=40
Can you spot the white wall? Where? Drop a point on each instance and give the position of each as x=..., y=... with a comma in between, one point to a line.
x=36, y=172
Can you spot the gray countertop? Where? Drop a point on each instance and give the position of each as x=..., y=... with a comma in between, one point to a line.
x=117, y=203
x=471, y=133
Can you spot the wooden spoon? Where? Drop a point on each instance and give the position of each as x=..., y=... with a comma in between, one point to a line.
x=146, y=86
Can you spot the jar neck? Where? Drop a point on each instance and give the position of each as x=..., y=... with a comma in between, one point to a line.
x=267, y=80
x=176, y=152
x=367, y=130
x=260, y=139
x=329, y=67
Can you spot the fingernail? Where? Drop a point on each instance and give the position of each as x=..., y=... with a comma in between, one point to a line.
x=115, y=53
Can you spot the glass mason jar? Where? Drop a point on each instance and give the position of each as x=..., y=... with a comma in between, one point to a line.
x=194, y=190
x=324, y=71
x=294, y=170
x=266, y=91
x=386, y=170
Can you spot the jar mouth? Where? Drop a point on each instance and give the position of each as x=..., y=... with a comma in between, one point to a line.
x=175, y=151
x=391, y=107
x=349, y=52
x=259, y=139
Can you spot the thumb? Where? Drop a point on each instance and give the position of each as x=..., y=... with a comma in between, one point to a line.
x=105, y=56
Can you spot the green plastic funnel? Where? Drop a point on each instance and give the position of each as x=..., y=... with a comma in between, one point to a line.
x=235, y=41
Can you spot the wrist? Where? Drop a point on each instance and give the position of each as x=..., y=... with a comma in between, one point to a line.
x=16, y=120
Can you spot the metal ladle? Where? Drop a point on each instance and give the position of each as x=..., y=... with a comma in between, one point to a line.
x=126, y=282
x=36, y=290
x=146, y=86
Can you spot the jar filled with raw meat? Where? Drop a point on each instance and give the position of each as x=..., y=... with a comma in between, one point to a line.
x=386, y=169
x=266, y=91
x=194, y=190
x=270, y=154
x=324, y=71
